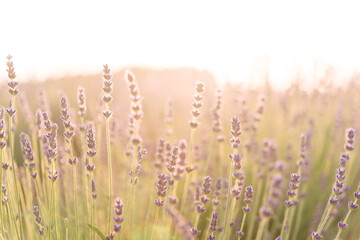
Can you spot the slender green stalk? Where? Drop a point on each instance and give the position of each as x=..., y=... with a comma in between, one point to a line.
x=92, y=216
x=261, y=228
x=87, y=205
x=76, y=203
x=108, y=149
x=50, y=208
x=260, y=185
x=155, y=222
x=75, y=193
x=229, y=199
x=128, y=206
x=11, y=207
x=149, y=208
x=285, y=222
x=92, y=202
x=187, y=174
x=242, y=224
x=221, y=150
x=9, y=223
x=299, y=217
x=197, y=221
x=54, y=198
x=1, y=206
x=345, y=221
x=211, y=151
x=292, y=211
x=13, y=170
x=326, y=217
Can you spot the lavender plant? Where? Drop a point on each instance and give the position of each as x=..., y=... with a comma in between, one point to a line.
x=175, y=188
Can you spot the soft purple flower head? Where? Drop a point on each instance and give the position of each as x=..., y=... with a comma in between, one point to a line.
x=316, y=236
x=342, y=225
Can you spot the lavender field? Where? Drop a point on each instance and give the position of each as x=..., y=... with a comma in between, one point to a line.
x=173, y=154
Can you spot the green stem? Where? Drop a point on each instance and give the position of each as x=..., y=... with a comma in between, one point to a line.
x=197, y=221
x=108, y=149
x=345, y=221
x=75, y=192
x=187, y=174
x=92, y=211
x=284, y=222
x=14, y=175
x=1, y=206
x=50, y=209
x=11, y=207
x=242, y=224
x=299, y=216
x=228, y=202
x=127, y=207
x=221, y=149
x=260, y=185
x=326, y=217
x=232, y=210
x=155, y=222
x=54, y=199
x=261, y=228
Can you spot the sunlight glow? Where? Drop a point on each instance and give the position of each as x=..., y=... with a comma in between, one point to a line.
x=236, y=40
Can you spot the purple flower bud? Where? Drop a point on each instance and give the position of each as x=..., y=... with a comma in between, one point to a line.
x=117, y=228
x=343, y=162
x=316, y=236
x=289, y=203
x=337, y=191
x=339, y=184
x=239, y=233
x=333, y=201
x=246, y=209
x=343, y=225
x=352, y=205
x=357, y=195
x=291, y=193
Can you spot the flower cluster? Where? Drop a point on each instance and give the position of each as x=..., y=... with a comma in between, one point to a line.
x=182, y=163
x=352, y=205
x=248, y=196
x=159, y=154
x=169, y=117
x=38, y=219
x=136, y=106
x=141, y=152
x=91, y=152
x=338, y=187
x=2, y=131
x=196, y=105
x=81, y=107
x=12, y=85
x=292, y=192
x=217, y=192
x=161, y=189
x=5, y=198
x=213, y=224
x=107, y=89
x=27, y=153
x=51, y=148
x=216, y=114
x=235, y=132
x=118, y=212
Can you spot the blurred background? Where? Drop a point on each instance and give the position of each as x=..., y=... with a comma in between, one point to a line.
x=298, y=60
x=247, y=42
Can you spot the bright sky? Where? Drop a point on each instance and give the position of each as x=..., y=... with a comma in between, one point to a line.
x=236, y=40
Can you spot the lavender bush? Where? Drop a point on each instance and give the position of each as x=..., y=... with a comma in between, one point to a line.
x=148, y=162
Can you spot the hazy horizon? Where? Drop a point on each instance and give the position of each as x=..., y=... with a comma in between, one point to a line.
x=237, y=41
